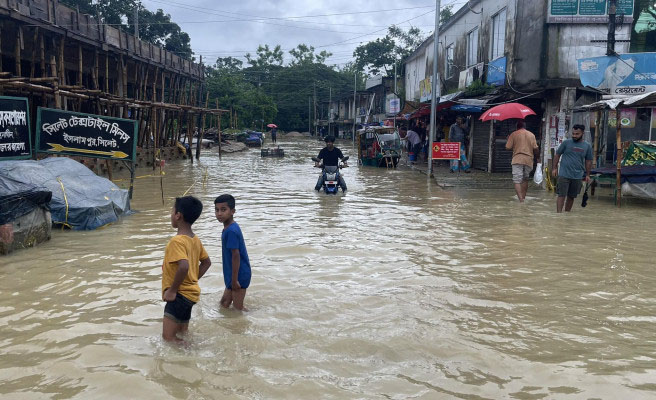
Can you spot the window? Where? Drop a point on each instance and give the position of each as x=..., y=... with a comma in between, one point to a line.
x=449, y=67
x=472, y=47
x=498, y=35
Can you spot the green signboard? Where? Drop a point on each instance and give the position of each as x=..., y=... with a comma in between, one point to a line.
x=624, y=7
x=587, y=11
x=564, y=7
x=87, y=135
x=592, y=7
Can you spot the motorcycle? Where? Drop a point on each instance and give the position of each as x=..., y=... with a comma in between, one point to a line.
x=331, y=175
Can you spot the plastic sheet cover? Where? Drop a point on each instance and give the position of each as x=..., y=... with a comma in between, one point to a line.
x=19, y=198
x=80, y=199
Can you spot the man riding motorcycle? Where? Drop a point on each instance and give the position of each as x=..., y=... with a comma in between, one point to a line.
x=330, y=155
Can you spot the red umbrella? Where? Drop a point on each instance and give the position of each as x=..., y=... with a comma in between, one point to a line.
x=272, y=126
x=507, y=111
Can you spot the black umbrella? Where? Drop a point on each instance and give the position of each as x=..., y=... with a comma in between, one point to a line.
x=584, y=201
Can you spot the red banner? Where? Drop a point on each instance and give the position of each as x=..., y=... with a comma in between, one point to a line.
x=446, y=151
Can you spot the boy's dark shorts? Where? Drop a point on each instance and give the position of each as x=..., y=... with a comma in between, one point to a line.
x=179, y=310
x=568, y=187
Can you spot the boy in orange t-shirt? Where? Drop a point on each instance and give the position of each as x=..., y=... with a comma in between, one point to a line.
x=185, y=262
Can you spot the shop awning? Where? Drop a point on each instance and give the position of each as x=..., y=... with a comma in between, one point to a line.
x=642, y=100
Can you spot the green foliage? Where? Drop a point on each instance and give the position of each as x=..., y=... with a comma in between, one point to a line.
x=155, y=27
x=446, y=13
x=478, y=88
x=266, y=57
x=304, y=55
x=379, y=56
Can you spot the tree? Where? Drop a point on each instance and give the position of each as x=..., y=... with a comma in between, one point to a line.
x=380, y=55
x=266, y=57
x=446, y=13
x=304, y=54
x=377, y=56
x=154, y=27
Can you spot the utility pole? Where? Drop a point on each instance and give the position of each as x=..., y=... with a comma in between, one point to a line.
x=330, y=114
x=355, y=107
x=395, y=95
x=315, y=107
x=612, y=11
x=433, y=89
x=310, y=115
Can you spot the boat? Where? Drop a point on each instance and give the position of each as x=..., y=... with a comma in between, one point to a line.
x=380, y=146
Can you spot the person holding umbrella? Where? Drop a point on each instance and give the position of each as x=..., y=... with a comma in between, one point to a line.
x=274, y=132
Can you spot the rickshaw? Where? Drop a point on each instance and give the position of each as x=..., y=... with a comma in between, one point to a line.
x=379, y=146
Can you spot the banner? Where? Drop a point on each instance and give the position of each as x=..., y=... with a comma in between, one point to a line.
x=587, y=11
x=446, y=151
x=627, y=118
x=15, y=140
x=496, y=72
x=394, y=105
x=626, y=74
x=87, y=135
x=425, y=90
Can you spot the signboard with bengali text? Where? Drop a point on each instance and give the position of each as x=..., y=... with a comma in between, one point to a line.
x=587, y=11
x=446, y=151
x=86, y=135
x=15, y=139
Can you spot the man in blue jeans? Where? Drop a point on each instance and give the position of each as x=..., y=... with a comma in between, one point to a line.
x=576, y=155
x=458, y=133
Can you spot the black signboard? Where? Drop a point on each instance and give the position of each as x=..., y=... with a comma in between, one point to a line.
x=15, y=140
x=88, y=135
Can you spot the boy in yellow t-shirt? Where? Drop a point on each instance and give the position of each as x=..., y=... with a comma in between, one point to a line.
x=185, y=262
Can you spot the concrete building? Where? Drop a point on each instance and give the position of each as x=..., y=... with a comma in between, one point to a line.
x=528, y=51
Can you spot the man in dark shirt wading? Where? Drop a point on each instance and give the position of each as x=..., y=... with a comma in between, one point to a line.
x=330, y=156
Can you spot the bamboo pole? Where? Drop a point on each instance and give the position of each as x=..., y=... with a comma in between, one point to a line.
x=107, y=73
x=17, y=50
x=1, y=25
x=618, y=139
x=219, y=127
x=80, y=65
x=201, y=131
x=43, y=55
x=34, y=47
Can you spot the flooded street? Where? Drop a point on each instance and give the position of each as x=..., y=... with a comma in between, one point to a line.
x=399, y=289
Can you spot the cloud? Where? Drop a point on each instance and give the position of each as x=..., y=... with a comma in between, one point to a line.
x=222, y=28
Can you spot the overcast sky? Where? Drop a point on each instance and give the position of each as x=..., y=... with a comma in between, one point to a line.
x=233, y=28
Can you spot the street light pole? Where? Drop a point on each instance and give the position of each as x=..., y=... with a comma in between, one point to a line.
x=355, y=89
x=433, y=89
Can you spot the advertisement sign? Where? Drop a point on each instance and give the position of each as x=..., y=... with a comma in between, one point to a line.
x=87, y=135
x=496, y=72
x=626, y=74
x=15, y=140
x=394, y=105
x=425, y=90
x=587, y=11
x=653, y=118
x=446, y=151
x=627, y=118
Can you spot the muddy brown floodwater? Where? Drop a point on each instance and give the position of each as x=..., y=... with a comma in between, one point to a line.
x=397, y=290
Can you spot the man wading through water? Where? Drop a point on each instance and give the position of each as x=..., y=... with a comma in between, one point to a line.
x=576, y=166
x=524, y=148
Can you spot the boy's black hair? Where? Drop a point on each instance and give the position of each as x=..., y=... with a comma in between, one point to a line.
x=521, y=125
x=329, y=138
x=226, y=198
x=579, y=127
x=190, y=208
